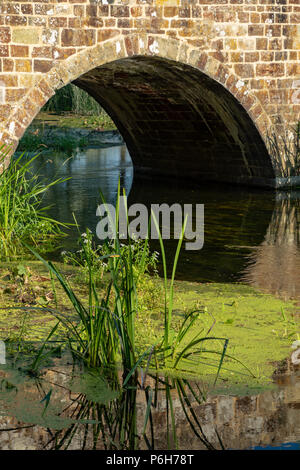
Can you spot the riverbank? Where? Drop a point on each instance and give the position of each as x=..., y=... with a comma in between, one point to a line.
x=67, y=132
x=260, y=327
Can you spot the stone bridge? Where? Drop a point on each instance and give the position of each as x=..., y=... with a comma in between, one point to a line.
x=198, y=88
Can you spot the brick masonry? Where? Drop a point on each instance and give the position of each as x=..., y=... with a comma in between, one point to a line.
x=246, y=51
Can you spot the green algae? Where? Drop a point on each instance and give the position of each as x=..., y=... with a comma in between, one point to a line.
x=260, y=329
x=27, y=309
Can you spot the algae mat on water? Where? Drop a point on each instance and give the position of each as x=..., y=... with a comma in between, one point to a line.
x=260, y=327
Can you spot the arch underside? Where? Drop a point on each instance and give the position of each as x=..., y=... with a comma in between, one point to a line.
x=178, y=122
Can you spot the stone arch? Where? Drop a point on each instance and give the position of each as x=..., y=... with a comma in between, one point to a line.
x=121, y=47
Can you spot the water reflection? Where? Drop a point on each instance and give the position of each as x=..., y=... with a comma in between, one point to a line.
x=235, y=220
x=89, y=410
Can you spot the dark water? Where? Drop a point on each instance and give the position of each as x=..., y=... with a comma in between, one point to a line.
x=250, y=234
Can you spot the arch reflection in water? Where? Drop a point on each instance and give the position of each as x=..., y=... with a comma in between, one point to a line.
x=275, y=265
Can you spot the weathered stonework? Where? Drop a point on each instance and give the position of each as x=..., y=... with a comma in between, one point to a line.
x=181, y=78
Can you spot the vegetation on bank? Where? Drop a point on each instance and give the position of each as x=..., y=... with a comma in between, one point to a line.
x=36, y=138
x=36, y=141
x=67, y=120
x=260, y=327
x=73, y=100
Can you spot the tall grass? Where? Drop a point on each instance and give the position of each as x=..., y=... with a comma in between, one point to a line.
x=105, y=331
x=22, y=218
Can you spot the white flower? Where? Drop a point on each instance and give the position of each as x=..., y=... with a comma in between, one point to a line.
x=84, y=235
x=296, y=344
x=63, y=253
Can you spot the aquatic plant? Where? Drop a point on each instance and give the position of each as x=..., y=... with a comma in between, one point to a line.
x=106, y=328
x=285, y=151
x=22, y=217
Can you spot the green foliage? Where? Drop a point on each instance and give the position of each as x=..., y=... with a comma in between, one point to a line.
x=285, y=151
x=22, y=218
x=101, y=122
x=33, y=141
x=65, y=144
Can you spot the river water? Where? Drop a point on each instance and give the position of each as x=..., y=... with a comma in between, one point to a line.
x=250, y=235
